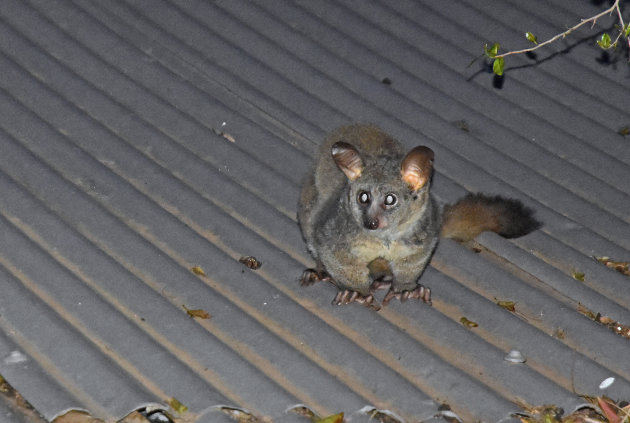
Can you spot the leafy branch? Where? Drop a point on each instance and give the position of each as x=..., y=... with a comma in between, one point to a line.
x=605, y=42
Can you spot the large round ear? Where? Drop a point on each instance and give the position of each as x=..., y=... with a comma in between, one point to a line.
x=416, y=167
x=348, y=159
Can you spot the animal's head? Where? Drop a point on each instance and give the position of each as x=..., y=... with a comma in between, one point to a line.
x=384, y=191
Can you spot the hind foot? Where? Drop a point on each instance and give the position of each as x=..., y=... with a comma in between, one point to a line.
x=346, y=297
x=420, y=293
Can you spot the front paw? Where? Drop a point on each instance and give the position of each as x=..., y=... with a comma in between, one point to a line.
x=420, y=293
x=311, y=276
x=346, y=297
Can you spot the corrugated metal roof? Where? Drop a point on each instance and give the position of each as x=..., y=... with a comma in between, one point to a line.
x=143, y=138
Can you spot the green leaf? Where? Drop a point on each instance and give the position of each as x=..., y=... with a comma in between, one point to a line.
x=492, y=51
x=531, y=37
x=497, y=66
x=604, y=42
x=626, y=30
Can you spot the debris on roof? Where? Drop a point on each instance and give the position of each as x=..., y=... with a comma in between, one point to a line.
x=152, y=156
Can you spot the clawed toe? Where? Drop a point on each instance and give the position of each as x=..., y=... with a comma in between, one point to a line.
x=420, y=293
x=346, y=297
x=369, y=301
x=311, y=276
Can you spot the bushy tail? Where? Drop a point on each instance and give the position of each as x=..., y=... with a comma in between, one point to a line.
x=476, y=213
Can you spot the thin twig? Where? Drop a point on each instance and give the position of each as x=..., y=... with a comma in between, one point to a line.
x=593, y=19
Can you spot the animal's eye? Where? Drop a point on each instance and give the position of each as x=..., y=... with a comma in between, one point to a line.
x=390, y=200
x=364, y=197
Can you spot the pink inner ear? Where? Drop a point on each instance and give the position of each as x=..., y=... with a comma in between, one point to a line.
x=417, y=166
x=350, y=163
x=351, y=174
x=414, y=178
x=347, y=159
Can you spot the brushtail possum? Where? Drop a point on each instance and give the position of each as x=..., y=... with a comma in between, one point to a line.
x=370, y=222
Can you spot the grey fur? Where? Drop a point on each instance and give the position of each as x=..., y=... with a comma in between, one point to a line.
x=345, y=237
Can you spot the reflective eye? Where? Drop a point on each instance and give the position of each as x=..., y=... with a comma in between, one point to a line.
x=363, y=197
x=390, y=200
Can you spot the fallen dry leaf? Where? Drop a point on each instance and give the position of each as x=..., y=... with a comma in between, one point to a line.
x=251, y=262
x=578, y=276
x=228, y=137
x=620, y=329
x=559, y=333
x=622, y=267
x=239, y=415
x=606, y=320
x=303, y=410
x=75, y=416
x=608, y=411
x=582, y=309
x=468, y=323
x=604, y=410
x=199, y=313
x=223, y=134
x=381, y=417
x=15, y=401
x=609, y=322
x=508, y=305
x=543, y=413
x=197, y=270
x=335, y=418
x=177, y=406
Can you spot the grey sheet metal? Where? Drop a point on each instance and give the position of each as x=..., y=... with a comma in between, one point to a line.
x=141, y=138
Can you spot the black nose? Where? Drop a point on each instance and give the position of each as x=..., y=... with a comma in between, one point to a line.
x=371, y=223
